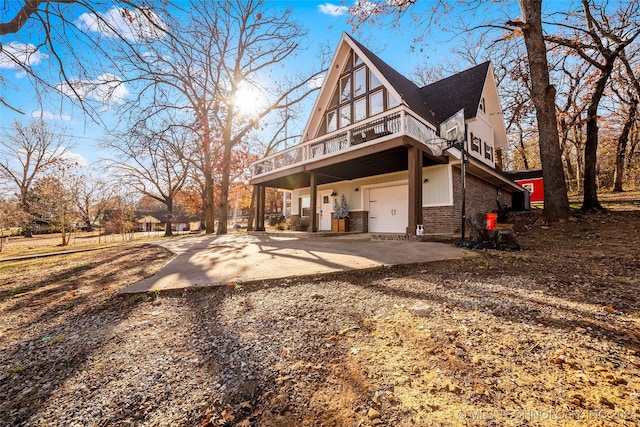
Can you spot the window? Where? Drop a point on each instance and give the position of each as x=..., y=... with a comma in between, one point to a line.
x=475, y=143
x=373, y=81
x=481, y=106
x=332, y=121
x=334, y=99
x=391, y=102
x=376, y=103
x=345, y=88
x=360, y=109
x=345, y=116
x=360, y=82
x=305, y=205
x=358, y=95
x=488, y=151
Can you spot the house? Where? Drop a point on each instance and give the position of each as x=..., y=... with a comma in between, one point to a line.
x=148, y=223
x=156, y=220
x=531, y=180
x=387, y=145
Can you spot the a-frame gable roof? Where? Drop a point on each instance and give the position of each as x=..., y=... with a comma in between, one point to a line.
x=461, y=90
x=435, y=102
x=408, y=91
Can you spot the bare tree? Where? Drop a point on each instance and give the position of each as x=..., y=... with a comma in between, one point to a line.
x=154, y=164
x=571, y=108
x=626, y=87
x=56, y=30
x=91, y=196
x=26, y=153
x=52, y=204
x=543, y=94
x=201, y=68
x=599, y=37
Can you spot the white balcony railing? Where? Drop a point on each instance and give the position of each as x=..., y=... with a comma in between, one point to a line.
x=382, y=127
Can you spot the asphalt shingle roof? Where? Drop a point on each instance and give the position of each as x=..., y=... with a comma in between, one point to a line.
x=461, y=90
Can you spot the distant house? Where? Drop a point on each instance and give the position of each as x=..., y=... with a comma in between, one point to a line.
x=155, y=221
x=531, y=180
x=381, y=140
x=148, y=223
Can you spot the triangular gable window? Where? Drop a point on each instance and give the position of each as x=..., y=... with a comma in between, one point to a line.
x=359, y=95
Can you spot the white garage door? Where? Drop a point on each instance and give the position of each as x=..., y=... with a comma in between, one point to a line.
x=388, y=209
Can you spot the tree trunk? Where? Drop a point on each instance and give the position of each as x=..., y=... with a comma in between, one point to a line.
x=571, y=173
x=168, y=232
x=224, y=187
x=207, y=170
x=24, y=205
x=556, y=202
x=252, y=208
x=523, y=152
x=623, y=140
x=590, y=200
x=209, y=207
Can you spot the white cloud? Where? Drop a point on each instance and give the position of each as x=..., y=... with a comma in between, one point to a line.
x=333, y=9
x=316, y=82
x=41, y=114
x=14, y=55
x=106, y=88
x=75, y=158
x=132, y=24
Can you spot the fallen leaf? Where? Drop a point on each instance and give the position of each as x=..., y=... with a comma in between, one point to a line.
x=227, y=415
x=245, y=405
x=286, y=351
x=244, y=423
x=609, y=308
x=281, y=380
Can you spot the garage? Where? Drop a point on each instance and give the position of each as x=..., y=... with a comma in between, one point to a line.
x=389, y=209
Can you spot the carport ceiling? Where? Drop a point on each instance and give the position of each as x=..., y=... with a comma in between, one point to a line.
x=379, y=163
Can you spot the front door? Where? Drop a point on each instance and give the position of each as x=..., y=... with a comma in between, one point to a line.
x=388, y=209
x=325, y=205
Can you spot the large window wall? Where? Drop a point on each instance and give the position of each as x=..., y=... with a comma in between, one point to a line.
x=358, y=96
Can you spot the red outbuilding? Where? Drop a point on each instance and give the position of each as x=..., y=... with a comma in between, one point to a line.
x=531, y=180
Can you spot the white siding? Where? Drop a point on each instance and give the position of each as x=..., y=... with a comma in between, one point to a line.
x=437, y=191
x=484, y=131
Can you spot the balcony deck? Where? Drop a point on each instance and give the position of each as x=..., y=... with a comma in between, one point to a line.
x=389, y=125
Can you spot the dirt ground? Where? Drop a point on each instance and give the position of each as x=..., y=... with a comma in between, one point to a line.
x=546, y=336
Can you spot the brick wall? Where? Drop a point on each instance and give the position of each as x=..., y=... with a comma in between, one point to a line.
x=359, y=221
x=480, y=199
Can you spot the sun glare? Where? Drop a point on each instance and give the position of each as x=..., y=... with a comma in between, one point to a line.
x=248, y=100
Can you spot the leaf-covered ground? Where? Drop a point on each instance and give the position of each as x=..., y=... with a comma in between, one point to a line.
x=546, y=336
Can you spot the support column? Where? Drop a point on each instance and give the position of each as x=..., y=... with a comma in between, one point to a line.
x=313, y=202
x=260, y=208
x=415, y=189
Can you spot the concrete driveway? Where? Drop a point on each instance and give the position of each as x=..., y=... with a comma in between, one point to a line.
x=217, y=260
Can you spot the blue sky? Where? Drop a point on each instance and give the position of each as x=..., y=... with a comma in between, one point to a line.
x=325, y=20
